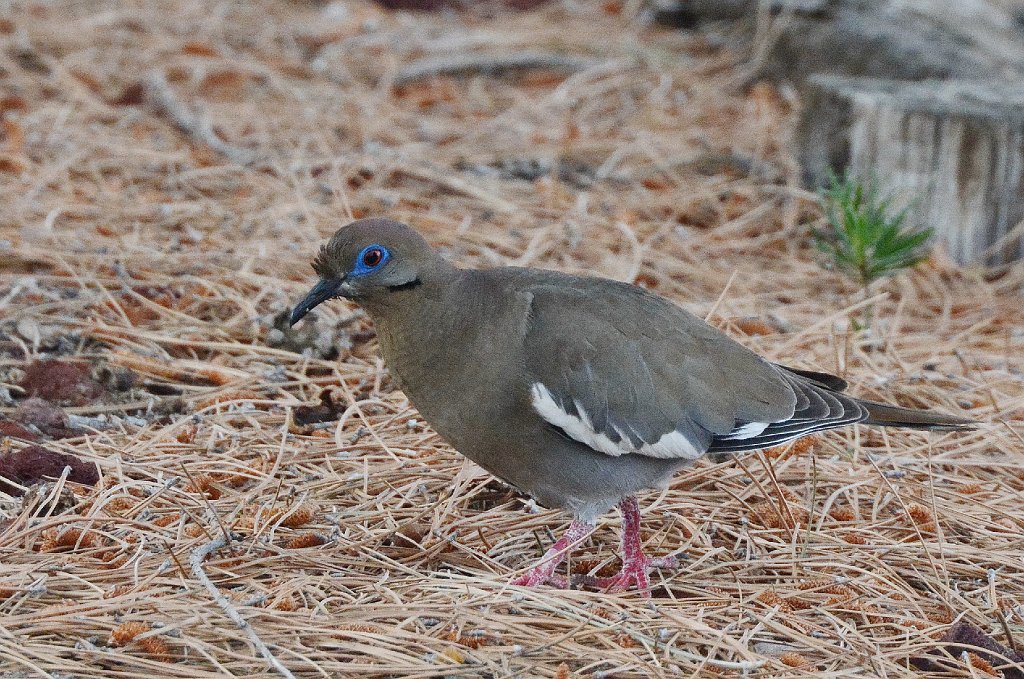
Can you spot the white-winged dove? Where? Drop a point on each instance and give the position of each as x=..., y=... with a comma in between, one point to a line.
x=578, y=391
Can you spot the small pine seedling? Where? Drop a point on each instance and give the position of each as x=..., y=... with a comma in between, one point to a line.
x=867, y=239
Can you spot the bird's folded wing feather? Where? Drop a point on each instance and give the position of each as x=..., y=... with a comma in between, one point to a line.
x=626, y=372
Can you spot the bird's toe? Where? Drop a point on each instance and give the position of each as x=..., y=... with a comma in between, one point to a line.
x=540, y=575
x=635, y=573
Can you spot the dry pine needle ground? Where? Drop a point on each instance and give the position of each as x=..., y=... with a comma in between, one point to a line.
x=166, y=172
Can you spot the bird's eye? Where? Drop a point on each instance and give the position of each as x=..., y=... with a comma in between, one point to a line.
x=372, y=257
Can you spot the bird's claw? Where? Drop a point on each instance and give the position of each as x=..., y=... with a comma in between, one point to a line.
x=636, y=572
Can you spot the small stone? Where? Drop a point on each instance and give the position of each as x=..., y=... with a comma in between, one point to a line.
x=275, y=337
x=29, y=330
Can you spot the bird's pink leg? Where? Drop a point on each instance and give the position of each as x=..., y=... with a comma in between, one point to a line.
x=635, y=564
x=543, y=572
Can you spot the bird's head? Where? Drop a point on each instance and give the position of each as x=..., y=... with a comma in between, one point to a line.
x=370, y=261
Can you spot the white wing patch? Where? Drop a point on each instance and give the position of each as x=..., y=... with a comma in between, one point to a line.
x=578, y=428
x=747, y=431
x=671, y=445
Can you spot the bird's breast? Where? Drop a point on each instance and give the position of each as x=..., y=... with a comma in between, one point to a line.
x=458, y=376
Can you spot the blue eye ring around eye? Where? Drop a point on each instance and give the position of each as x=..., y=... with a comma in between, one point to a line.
x=371, y=258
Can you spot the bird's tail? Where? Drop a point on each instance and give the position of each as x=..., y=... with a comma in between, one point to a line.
x=882, y=415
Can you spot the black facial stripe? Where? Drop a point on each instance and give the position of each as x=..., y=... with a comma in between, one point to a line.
x=406, y=286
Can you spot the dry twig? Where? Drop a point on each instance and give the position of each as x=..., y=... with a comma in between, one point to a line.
x=192, y=122
x=489, y=64
x=199, y=555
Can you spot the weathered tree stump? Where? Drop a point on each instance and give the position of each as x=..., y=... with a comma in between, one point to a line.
x=952, y=150
x=926, y=96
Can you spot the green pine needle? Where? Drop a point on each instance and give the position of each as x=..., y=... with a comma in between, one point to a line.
x=867, y=239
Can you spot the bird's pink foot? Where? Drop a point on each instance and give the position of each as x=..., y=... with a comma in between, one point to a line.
x=636, y=566
x=635, y=573
x=544, y=571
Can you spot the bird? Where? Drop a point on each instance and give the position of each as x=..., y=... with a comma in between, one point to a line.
x=581, y=392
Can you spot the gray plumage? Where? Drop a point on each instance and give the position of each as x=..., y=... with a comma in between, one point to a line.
x=579, y=391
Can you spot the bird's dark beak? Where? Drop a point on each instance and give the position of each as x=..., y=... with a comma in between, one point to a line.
x=321, y=292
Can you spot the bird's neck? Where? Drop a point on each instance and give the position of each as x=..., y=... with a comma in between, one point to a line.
x=440, y=350
x=414, y=327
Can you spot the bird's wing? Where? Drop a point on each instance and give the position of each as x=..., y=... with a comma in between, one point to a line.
x=626, y=372
x=820, y=405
